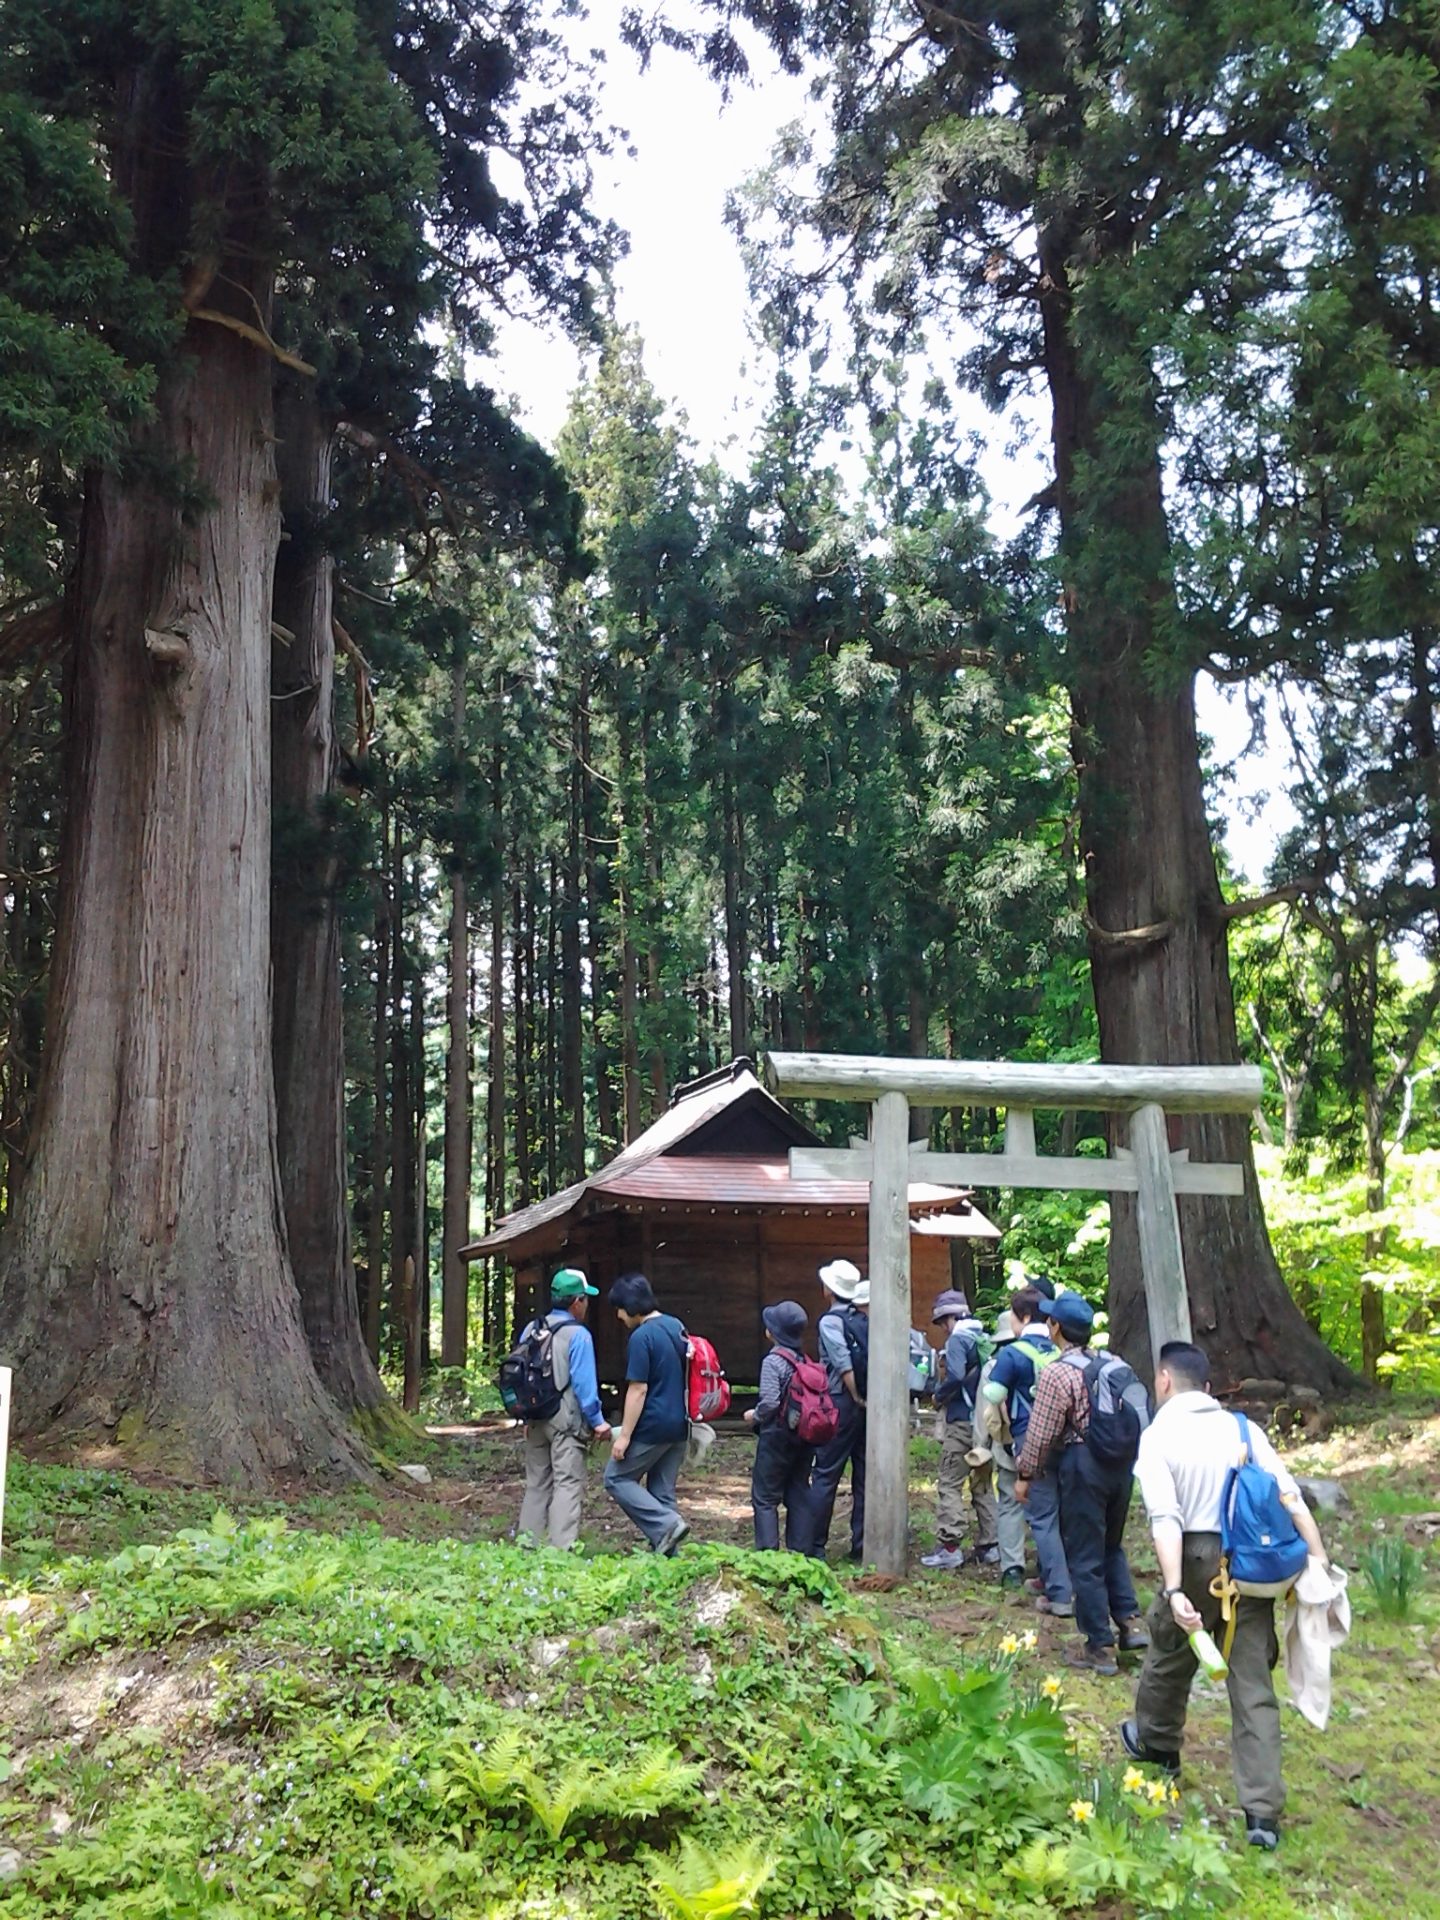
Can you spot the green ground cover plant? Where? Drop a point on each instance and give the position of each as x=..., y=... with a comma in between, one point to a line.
x=372, y=1703
x=247, y=1718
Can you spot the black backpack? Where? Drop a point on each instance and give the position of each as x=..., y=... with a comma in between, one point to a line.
x=527, y=1374
x=1113, y=1435
x=856, y=1328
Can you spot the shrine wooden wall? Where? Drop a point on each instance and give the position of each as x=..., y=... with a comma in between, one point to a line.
x=716, y=1272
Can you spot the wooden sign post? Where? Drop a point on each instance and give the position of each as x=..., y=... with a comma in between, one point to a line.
x=890, y=1163
x=4, y=1449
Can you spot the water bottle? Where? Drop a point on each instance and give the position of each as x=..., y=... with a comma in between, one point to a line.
x=1208, y=1654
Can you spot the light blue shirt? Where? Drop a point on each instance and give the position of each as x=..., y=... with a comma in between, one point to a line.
x=580, y=1359
x=834, y=1348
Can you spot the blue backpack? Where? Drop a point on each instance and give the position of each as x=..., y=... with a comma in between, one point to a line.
x=1260, y=1546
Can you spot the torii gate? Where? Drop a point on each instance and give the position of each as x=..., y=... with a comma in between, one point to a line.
x=890, y=1163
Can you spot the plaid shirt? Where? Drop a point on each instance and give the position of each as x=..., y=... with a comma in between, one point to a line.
x=1060, y=1412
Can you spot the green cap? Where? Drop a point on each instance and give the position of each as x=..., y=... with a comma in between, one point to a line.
x=569, y=1283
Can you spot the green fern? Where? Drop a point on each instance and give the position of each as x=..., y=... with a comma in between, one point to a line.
x=655, y=1778
x=696, y=1884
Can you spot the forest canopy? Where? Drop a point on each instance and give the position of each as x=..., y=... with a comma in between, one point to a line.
x=394, y=810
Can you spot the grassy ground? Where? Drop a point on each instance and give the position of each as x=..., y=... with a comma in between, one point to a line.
x=153, y=1705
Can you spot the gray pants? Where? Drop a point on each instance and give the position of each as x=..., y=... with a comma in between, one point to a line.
x=1170, y=1666
x=554, y=1482
x=1042, y=1510
x=1010, y=1521
x=954, y=1476
x=643, y=1483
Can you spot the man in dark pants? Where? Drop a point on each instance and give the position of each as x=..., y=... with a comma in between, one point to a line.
x=1094, y=1494
x=843, y=1333
x=783, y=1461
x=1186, y=1455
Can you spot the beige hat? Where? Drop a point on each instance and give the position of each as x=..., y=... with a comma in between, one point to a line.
x=840, y=1277
x=861, y=1295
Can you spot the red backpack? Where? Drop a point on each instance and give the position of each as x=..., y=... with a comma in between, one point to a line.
x=810, y=1410
x=707, y=1391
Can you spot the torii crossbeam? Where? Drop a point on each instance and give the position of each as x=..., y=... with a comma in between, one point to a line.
x=890, y=1163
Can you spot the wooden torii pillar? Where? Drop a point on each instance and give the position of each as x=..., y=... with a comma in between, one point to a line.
x=1147, y=1168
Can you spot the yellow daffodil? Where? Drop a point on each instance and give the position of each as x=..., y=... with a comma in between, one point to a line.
x=1050, y=1686
x=1156, y=1791
x=1175, y=1795
x=1134, y=1780
x=1010, y=1644
x=1029, y=1641
x=1081, y=1811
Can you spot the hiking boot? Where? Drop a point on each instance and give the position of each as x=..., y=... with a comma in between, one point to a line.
x=1168, y=1763
x=1057, y=1609
x=987, y=1556
x=1134, y=1638
x=946, y=1558
x=673, y=1535
x=1092, y=1659
x=1262, y=1833
x=1011, y=1580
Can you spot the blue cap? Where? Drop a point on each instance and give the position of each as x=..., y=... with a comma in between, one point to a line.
x=1072, y=1314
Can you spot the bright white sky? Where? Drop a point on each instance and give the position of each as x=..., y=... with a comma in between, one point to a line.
x=683, y=285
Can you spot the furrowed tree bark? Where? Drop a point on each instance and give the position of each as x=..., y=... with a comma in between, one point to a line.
x=1145, y=843
x=307, y=1017
x=146, y=1296
x=572, y=997
x=455, y=1274
x=402, y=1104
x=379, y=1126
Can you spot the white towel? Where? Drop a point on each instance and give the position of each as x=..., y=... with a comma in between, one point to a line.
x=1317, y=1620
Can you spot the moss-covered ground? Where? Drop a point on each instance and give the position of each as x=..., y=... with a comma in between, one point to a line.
x=371, y=1703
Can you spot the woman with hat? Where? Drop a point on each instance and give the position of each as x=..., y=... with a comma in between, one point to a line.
x=781, y=1474
x=843, y=1335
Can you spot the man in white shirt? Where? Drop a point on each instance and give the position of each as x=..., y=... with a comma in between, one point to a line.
x=1185, y=1455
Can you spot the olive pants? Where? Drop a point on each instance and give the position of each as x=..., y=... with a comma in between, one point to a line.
x=1170, y=1666
x=955, y=1475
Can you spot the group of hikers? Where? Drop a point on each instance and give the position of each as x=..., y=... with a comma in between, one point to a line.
x=1042, y=1435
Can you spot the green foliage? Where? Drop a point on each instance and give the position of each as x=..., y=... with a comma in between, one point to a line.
x=1394, y=1571
x=1325, y=1239
x=698, y=1884
x=374, y=1724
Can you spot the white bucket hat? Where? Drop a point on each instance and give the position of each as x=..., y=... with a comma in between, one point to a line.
x=861, y=1295
x=840, y=1277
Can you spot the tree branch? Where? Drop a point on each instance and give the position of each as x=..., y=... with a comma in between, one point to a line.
x=39, y=628
x=255, y=335
x=1132, y=938
x=1292, y=891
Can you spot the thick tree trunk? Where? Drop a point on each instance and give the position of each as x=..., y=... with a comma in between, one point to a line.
x=379, y=1126
x=1158, y=940
x=520, y=1073
x=733, y=851
x=146, y=1295
x=572, y=998
x=402, y=1102
x=308, y=1025
x=455, y=1230
x=495, y=1098
x=594, y=829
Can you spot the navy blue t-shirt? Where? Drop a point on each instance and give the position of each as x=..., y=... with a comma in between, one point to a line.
x=656, y=1355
